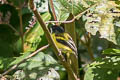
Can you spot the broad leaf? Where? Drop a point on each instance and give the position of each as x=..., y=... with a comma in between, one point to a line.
x=37, y=66
x=61, y=14
x=35, y=35
x=112, y=51
x=100, y=19
x=105, y=69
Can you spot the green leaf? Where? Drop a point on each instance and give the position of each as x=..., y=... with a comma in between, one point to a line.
x=41, y=5
x=103, y=69
x=35, y=36
x=117, y=30
x=7, y=39
x=50, y=74
x=61, y=14
x=37, y=67
x=74, y=7
x=100, y=19
x=4, y=63
x=112, y=51
x=44, y=61
x=40, y=60
x=9, y=15
x=19, y=59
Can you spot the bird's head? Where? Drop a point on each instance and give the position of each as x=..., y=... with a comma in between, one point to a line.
x=57, y=29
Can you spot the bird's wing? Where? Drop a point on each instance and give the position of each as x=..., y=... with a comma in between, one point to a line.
x=67, y=42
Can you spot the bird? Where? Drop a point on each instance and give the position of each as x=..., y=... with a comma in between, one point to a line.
x=63, y=40
x=66, y=46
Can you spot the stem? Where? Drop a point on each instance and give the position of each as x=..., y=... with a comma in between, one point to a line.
x=31, y=55
x=53, y=11
x=79, y=15
x=51, y=42
x=60, y=21
x=21, y=29
x=86, y=43
x=13, y=28
x=90, y=53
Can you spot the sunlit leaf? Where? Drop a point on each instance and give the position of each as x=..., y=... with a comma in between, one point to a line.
x=41, y=5
x=105, y=69
x=37, y=67
x=112, y=51
x=101, y=20
x=61, y=14
x=35, y=35
x=19, y=59
x=74, y=7
x=51, y=74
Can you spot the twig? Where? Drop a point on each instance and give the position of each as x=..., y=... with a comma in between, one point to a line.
x=60, y=21
x=51, y=42
x=89, y=47
x=12, y=28
x=53, y=11
x=79, y=15
x=31, y=55
x=90, y=53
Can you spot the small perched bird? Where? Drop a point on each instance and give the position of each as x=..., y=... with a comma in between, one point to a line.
x=63, y=40
x=66, y=45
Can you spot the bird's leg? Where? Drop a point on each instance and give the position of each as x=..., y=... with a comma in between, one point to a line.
x=60, y=54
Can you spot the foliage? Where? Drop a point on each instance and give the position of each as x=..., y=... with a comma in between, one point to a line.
x=97, y=34
x=103, y=69
x=32, y=68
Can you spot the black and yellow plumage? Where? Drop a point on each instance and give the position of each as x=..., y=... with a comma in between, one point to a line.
x=66, y=45
x=63, y=40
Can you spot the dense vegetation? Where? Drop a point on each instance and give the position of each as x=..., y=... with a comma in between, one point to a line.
x=27, y=51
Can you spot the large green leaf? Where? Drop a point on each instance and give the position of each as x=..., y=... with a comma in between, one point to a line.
x=100, y=19
x=75, y=7
x=61, y=14
x=49, y=74
x=64, y=7
x=38, y=66
x=117, y=30
x=36, y=36
x=4, y=63
x=7, y=39
x=105, y=69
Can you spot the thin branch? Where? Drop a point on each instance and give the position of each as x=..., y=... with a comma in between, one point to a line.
x=90, y=53
x=31, y=55
x=12, y=28
x=60, y=21
x=87, y=45
x=79, y=15
x=53, y=11
x=21, y=28
x=51, y=42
